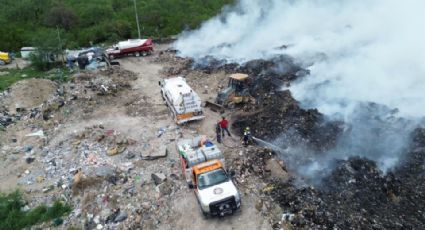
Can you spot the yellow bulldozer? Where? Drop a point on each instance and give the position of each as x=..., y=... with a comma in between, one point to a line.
x=5, y=58
x=236, y=92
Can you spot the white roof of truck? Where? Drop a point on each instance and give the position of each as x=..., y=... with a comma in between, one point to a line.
x=177, y=86
x=131, y=43
x=28, y=49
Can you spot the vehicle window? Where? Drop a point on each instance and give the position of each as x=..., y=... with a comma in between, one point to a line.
x=212, y=178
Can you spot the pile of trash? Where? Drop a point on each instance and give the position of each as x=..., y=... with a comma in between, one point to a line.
x=43, y=99
x=28, y=99
x=278, y=114
x=357, y=194
x=177, y=65
x=101, y=174
x=281, y=67
x=253, y=162
x=107, y=82
x=27, y=94
x=5, y=119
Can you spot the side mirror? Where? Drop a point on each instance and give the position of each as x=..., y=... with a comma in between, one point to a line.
x=191, y=185
x=159, y=83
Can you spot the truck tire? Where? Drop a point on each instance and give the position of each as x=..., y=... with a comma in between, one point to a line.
x=144, y=53
x=137, y=54
x=205, y=214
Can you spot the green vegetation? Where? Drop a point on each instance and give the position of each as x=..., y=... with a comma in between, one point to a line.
x=82, y=23
x=74, y=228
x=15, y=75
x=13, y=217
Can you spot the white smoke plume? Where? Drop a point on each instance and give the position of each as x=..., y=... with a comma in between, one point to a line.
x=357, y=51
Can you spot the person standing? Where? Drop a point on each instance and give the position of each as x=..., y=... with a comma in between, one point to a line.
x=246, y=136
x=218, y=131
x=224, y=125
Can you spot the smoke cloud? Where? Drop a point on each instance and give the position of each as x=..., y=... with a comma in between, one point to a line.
x=357, y=51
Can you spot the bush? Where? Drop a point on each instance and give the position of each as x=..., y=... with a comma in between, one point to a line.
x=40, y=61
x=13, y=217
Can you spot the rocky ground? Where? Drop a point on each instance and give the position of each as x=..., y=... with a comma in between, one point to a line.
x=105, y=143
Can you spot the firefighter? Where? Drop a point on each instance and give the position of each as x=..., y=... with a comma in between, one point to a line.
x=218, y=131
x=246, y=136
x=224, y=124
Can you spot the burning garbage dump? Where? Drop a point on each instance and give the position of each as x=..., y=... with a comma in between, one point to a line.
x=343, y=161
x=326, y=127
x=329, y=105
x=350, y=192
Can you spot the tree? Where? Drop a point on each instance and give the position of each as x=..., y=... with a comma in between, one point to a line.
x=49, y=49
x=61, y=16
x=99, y=21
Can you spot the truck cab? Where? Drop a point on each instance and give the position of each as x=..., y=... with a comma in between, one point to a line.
x=214, y=189
x=203, y=167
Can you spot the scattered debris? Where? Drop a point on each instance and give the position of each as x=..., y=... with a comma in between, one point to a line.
x=39, y=133
x=158, y=178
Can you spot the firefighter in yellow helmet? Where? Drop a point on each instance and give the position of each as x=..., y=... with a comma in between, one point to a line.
x=246, y=136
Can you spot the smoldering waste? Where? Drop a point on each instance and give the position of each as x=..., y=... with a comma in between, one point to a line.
x=356, y=193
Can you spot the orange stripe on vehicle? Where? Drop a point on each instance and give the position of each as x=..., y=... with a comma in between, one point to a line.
x=184, y=116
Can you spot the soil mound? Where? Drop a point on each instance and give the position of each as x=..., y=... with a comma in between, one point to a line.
x=30, y=93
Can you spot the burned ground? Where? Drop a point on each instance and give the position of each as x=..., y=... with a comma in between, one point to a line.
x=278, y=113
x=358, y=195
x=355, y=193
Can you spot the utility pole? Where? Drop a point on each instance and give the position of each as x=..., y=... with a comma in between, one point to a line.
x=60, y=54
x=137, y=18
x=60, y=45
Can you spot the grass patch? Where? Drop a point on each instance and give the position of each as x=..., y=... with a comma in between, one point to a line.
x=13, y=217
x=14, y=75
x=74, y=228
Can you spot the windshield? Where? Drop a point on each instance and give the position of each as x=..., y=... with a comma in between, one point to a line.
x=212, y=178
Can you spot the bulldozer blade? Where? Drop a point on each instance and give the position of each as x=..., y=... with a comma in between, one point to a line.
x=214, y=106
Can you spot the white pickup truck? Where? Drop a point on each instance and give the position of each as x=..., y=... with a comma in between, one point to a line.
x=203, y=168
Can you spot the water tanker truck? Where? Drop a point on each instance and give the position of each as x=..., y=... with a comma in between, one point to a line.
x=184, y=103
x=203, y=168
x=136, y=47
